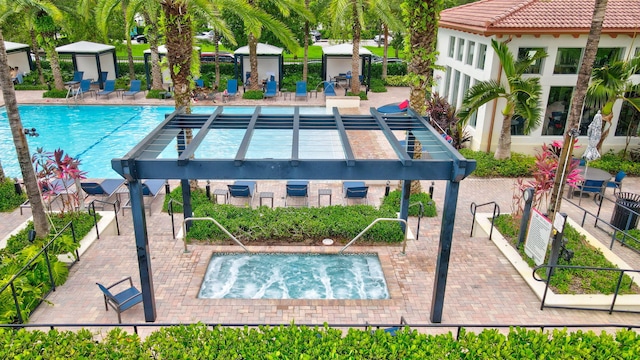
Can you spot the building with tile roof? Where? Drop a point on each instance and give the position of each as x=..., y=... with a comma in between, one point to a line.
x=561, y=28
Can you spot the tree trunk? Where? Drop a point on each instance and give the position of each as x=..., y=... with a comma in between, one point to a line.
x=355, y=54
x=253, y=63
x=504, y=142
x=55, y=67
x=216, y=41
x=577, y=102
x=305, y=66
x=179, y=48
x=40, y=222
x=385, y=50
x=152, y=36
x=1, y=173
x=127, y=35
x=36, y=54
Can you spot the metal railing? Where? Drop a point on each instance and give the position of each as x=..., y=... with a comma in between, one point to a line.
x=404, y=243
x=28, y=266
x=170, y=212
x=420, y=215
x=496, y=213
x=410, y=326
x=553, y=269
x=184, y=231
x=92, y=212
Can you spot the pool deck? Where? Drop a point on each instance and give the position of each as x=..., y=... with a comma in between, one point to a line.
x=482, y=288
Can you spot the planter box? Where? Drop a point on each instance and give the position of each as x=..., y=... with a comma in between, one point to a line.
x=106, y=226
x=342, y=102
x=623, y=302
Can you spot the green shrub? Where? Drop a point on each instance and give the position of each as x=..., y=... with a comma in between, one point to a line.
x=393, y=201
x=613, y=163
x=30, y=87
x=156, y=94
x=9, y=199
x=253, y=95
x=396, y=80
x=377, y=86
x=198, y=198
x=362, y=95
x=519, y=165
x=55, y=93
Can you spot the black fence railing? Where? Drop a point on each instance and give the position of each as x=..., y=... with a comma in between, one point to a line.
x=496, y=212
x=44, y=252
x=92, y=212
x=170, y=212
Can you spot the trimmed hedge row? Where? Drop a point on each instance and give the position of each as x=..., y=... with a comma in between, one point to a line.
x=300, y=342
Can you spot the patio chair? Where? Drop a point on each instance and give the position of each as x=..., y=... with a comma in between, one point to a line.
x=109, y=88
x=77, y=77
x=52, y=191
x=123, y=300
x=616, y=184
x=103, y=190
x=199, y=84
x=355, y=190
x=103, y=78
x=134, y=89
x=232, y=90
x=242, y=189
x=591, y=186
x=301, y=90
x=84, y=88
x=272, y=90
x=297, y=189
x=150, y=190
x=329, y=89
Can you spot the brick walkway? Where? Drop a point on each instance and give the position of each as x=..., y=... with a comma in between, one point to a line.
x=482, y=288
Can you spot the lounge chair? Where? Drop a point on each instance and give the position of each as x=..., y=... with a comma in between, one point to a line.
x=297, y=189
x=104, y=190
x=616, y=184
x=301, y=90
x=109, y=87
x=329, y=89
x=123, y=300
x=84, y=88
x=355, y=190
x=394, y=108
x=150, y=190
x=77, y=77
x=52, y=191
x=242, y=189
x=103, y=78
x=134, y=89
x=232, y=90
x=272, y=90
x=199, y=84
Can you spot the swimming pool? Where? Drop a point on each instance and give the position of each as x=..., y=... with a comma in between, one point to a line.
x=294, y=276
x=96, y=134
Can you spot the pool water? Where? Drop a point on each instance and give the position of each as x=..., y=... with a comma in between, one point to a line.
x=294, y=276
x=95, y=134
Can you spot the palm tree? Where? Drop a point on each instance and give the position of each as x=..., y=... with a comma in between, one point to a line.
x=394, y=6
x=151, y=13
x=522, y=96
x=40, y=221
x=611, y=83
x=350, y=14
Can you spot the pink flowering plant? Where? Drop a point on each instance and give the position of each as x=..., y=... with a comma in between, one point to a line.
x=57, y=173
x=544, y=175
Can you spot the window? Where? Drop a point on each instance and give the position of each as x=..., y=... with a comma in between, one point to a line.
x=536, y=67
x=466, y=84
x=471, y=48
x=473, y=120
x=606, y=56
x=447, y=83
x=555, y=117
x=452, y=46
x=629, y=119
x=460, y=49
x=482, y=54
x=567, y=61
x=456, y=88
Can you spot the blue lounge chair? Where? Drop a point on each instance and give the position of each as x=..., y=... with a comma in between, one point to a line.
x=243, y=190
x=104, y=190
x=134, y=89
x=297, y=189
x=123, y=300
x=232, y=90
x=272, y=90
x=77, y=77
x=84, y=88
x=329, y=89
x=103, y=78
x=355, y=190
x=301, y=90
x=109, y=87
x=394, y=108
x=616, y=184
x=199, y=83
x=150, y=190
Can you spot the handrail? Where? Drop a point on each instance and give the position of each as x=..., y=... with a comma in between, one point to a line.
x=404, y=243
x=615, y=294
x=92, y=212
x=170, y=212
x=420, y=214
x=28, y=266
x=496, y=213
x=184, y=231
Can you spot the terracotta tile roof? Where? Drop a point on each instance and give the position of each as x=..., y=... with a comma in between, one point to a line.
x=491, y=17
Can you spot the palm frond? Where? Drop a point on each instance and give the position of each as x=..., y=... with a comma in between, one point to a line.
x=505, y=56
x=480, y=94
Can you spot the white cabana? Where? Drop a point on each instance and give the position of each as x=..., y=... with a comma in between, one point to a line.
x=269, y=62
x=19, y=55
x=336, y=61
x=93, y=59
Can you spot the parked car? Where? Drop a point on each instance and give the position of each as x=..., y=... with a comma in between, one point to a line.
x=315, y=35
x=378, y=59
x=379, y=39
x=140, y=39
x=223, y=57
x=206, y=35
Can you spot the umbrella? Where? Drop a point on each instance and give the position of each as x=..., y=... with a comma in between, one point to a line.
x=594, y=132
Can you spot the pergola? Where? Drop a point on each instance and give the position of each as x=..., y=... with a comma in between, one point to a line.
x=440, y=161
